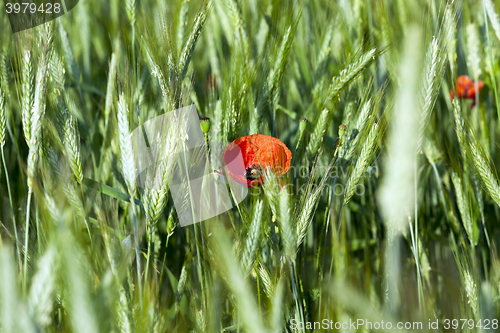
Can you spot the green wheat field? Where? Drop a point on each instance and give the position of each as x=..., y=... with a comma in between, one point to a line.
x=393, y=218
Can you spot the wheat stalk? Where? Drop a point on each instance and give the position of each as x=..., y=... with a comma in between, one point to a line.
x=35, y=137
x=463, y=205
x=13, y=312
x=246, y=304
x=318, y=133
x=284, y=219
x=471, y=291
x=476, y=156
x=350, y=73
x=347, y=75
x=253, y=239
x=396, y=195
x=70, y=62
x=269, y=287
x=450, y=39
x=350, y=145
x=481, y=164
x=308, y=207
x=278, y=308
x=127, y=159
x=181, y=25
x=459, y=128
x=3, y=127
x=182, y=281
x=492, y=14
x=4, y=79
x=76, y=202
x=306, y=215
x=128, y=169
x=123, y=313
x=234, y=13
x=27, y=89
x=480, y=202
x=72, y=145
x=323, y=55
x=474, y=65
x=434, y=69
x=36, y=121
x=82, y=315
x=473, y=58
x=364, y=160
x=168, y=140
x=154, y=201
x=280, y=64
x=130, y=8
x=157, y=72
x=41, y=294
x=46, y=39
x=187, y=50
x=110, y=89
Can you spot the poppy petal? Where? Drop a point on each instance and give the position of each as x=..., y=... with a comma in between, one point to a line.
x=257, y=151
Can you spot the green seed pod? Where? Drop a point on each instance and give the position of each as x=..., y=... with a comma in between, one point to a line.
x=342, y=129
x=205, y=124
x=303, y=124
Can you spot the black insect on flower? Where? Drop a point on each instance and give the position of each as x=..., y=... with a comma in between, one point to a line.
x=253, y=172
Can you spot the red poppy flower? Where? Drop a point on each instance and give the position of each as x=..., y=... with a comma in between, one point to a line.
x=466, y=88
x=259, y=153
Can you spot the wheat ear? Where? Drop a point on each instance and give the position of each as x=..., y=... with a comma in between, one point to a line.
x=72, y=145
x=253, y=238
x=36, y=128
x=126, y=145
x=187, y=50
x=463, y=205
x=364, y=160
x=492, y=14
x=476, y=155
x=434, y=69
x=27, y=89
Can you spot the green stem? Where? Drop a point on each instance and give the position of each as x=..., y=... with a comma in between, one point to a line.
x=38, y=231
x=298, y=303
x=12, y=208
x=200, y=275
x=188, y=184
x=298, y=142
x=146, y=272
x=82, y=196
x=441, y=192
x=298, y=148
x=415, y=245
x=329, y=208
x=26, y=244
x=137, y=254
x=339, y=240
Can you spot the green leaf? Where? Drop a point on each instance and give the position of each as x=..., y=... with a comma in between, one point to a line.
x=108, y=190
